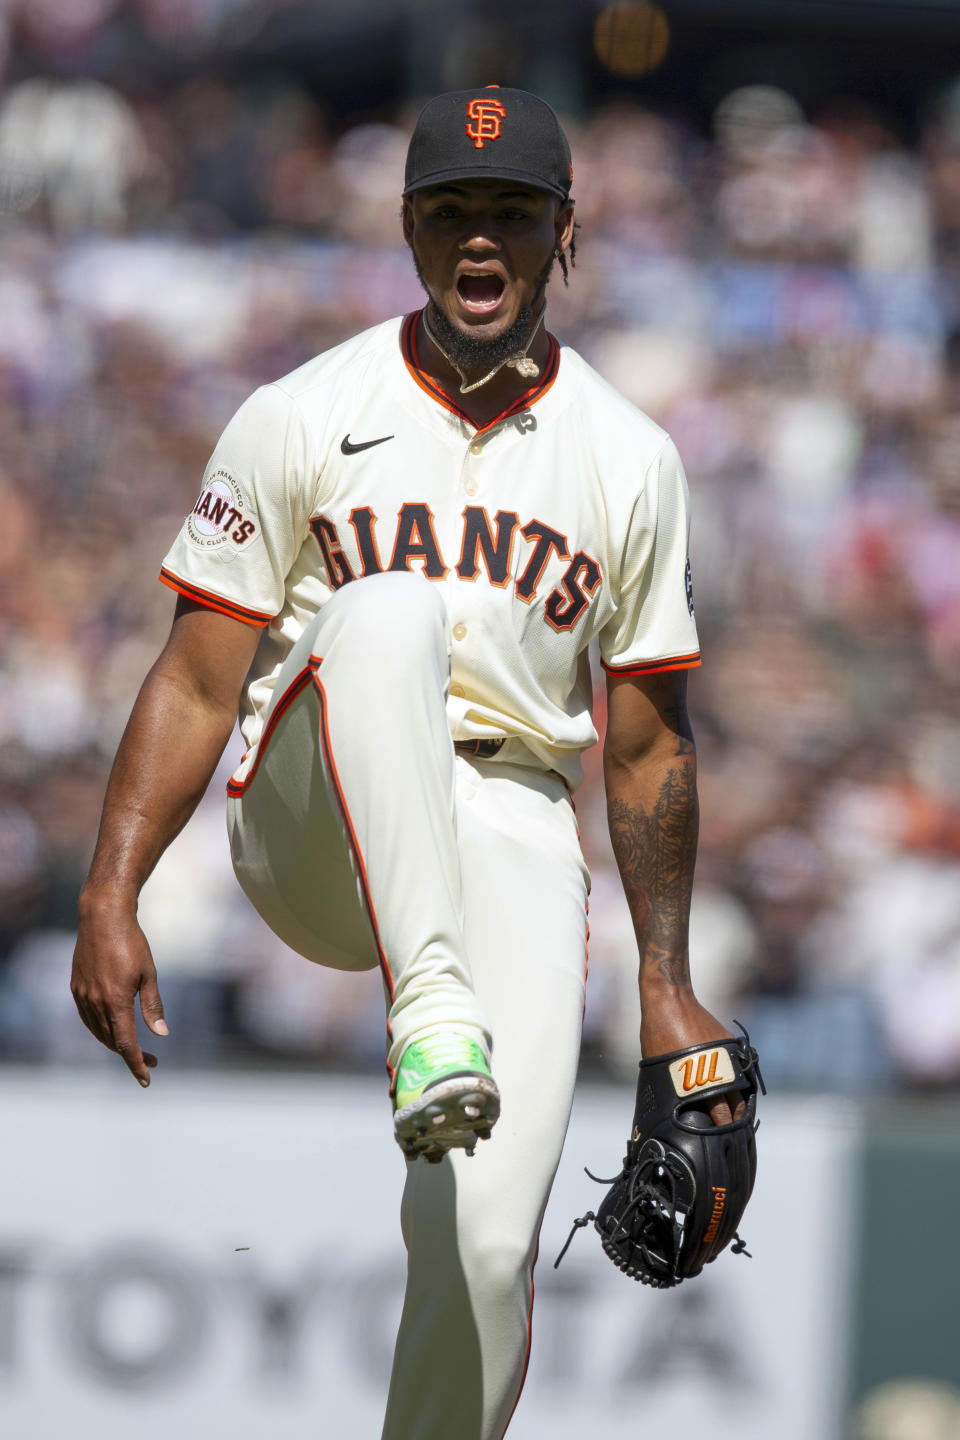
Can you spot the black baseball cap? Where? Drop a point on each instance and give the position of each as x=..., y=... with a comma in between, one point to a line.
x=489, y=133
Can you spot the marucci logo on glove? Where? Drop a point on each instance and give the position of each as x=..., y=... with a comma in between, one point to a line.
x=716, y=1214
x=699, y=1072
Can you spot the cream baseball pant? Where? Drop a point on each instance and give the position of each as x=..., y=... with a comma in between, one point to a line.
x=363, y=839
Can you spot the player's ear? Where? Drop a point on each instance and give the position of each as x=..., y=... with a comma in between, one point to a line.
x=406, y=220
x=564, y=224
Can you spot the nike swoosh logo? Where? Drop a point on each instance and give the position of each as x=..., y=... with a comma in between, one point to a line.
x=348, y=448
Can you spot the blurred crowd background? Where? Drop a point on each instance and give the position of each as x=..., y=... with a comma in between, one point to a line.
x=197, y=195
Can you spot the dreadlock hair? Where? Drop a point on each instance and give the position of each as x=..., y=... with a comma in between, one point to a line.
x=571, y=251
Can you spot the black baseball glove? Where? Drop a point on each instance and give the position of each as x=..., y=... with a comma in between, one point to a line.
x=685, y=1182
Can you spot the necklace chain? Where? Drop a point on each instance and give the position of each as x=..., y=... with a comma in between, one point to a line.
x=520, y=362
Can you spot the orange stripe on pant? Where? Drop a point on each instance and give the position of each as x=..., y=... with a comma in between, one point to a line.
x=237, y=789
x=334, y=778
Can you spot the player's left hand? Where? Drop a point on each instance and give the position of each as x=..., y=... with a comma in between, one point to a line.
x=675, y=1020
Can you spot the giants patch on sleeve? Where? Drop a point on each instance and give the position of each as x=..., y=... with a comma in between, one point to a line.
x=221, y=516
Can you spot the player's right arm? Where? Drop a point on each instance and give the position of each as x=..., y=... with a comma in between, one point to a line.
x=177, y=731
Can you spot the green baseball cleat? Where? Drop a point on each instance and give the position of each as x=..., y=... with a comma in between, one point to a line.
x=444, y=1096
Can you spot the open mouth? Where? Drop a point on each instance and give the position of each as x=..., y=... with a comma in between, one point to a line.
x=480, y=293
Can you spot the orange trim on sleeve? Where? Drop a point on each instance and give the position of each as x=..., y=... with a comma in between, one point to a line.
x=408, y=346
x=256, y=618
x=656, y=667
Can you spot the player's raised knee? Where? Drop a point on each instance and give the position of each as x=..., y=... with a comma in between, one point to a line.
x=393, y=616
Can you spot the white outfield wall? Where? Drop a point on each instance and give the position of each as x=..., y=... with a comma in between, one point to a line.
x=221, y=1257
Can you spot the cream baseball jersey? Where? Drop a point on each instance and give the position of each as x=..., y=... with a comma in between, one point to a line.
x=563, y=519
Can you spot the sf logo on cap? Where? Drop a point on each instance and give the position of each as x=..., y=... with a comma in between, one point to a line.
x=487, y=117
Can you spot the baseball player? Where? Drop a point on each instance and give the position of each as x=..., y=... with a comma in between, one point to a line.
x=399, y=557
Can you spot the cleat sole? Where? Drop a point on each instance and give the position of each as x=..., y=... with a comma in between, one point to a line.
x=451, y=1115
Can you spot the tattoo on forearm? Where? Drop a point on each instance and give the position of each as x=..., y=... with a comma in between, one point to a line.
x=655, y=853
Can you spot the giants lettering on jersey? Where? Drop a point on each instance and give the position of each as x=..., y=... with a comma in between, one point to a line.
x=490, y=546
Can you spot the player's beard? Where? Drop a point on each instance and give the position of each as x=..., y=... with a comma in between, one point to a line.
x=471, y=352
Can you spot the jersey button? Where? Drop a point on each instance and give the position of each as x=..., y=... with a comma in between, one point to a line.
x=459, y=630
x=457, y=690
x=476, y=448
x=470, y=485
